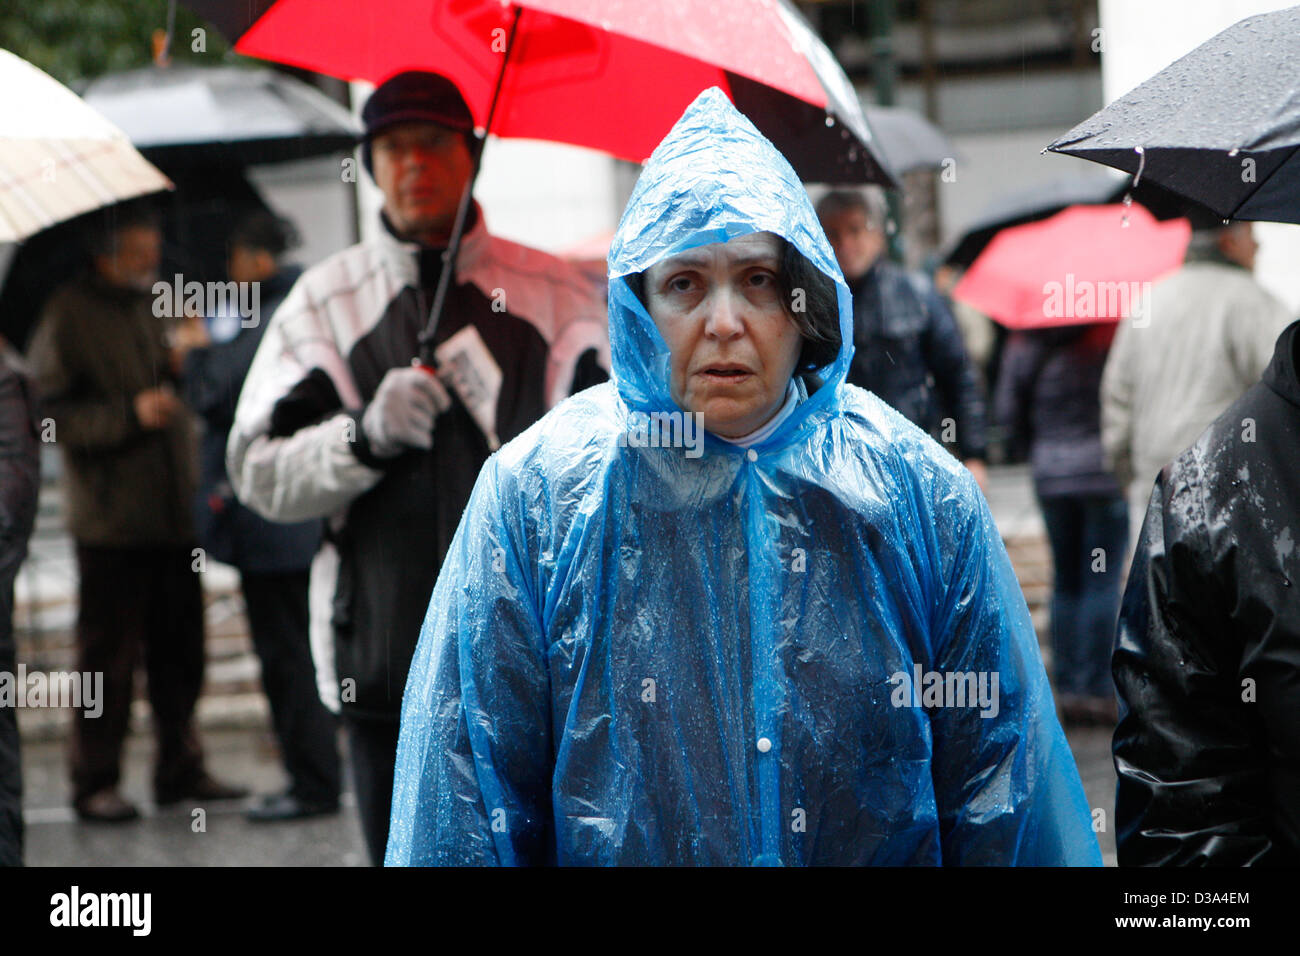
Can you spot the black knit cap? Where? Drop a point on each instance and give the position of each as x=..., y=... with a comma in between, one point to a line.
x=415, y=96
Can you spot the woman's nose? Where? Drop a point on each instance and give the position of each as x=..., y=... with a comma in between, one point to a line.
x=724, y=319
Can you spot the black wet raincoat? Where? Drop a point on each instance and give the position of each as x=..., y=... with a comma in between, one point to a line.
x=1207, y=660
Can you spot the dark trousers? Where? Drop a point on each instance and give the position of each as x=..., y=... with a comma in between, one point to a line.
x=306, y=730
x=11, y=786
x=134, y=601
x=11, y=775
x=1089, y=539
x=372, y=744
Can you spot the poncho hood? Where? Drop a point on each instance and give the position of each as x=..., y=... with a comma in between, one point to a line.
x=713, y=178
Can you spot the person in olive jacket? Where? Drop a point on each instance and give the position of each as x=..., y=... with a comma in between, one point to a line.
x=1207, y=659
x=106, y=363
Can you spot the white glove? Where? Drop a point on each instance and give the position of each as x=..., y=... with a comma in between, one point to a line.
x=402, y=413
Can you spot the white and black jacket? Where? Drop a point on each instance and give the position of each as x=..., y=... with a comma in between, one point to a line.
x=297, y=450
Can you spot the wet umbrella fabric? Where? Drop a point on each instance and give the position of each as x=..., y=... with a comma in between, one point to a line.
x=1220, y=126
x=58, y=157
x=1027, y=205
x=1080, y=266
x=233, y=114
x=909, y=140
x=611, y=75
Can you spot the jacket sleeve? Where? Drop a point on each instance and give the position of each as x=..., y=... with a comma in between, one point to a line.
x=1006, y=785
x=954, y=375
x=475, y=757
x=1190, y=777
x=1118, y=382
x=296, y=449
x=83, y=419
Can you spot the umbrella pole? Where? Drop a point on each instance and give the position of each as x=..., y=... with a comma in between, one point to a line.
x=462, y=212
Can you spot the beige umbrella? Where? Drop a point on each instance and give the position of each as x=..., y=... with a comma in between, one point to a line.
x=58, y=157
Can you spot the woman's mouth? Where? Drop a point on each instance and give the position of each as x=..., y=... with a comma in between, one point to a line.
x=726, y=373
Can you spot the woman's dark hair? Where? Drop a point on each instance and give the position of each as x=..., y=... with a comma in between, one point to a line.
x=810, y=301
x=818, y=320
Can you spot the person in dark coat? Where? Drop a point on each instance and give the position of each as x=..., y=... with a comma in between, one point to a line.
x=20, y=478
x=907, y=347
x=273, y=559
x=1048, y=402
x=105, y=358
x=1205, y=660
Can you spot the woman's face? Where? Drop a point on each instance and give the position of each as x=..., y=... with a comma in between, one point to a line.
x=733, y=345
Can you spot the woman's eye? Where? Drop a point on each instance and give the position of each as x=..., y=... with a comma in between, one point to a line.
x=679, y=284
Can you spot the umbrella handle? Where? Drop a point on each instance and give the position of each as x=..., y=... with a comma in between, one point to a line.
x=162, y=45
x=462, y=211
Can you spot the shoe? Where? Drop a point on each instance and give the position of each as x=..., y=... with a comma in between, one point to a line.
x=275, y=807
x=202, y=787
x=106, y=806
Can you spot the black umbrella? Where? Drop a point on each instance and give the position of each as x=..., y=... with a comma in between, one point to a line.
x=223, y=113
x=1027, y=205
x=908, y=140
x=1220, y=126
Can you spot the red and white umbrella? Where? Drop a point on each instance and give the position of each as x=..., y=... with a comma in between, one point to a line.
x=611, y=75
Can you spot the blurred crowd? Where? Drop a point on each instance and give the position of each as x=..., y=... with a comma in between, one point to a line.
x=305, y=447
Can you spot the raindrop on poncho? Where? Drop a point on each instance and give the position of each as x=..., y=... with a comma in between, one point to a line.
x=811, y=652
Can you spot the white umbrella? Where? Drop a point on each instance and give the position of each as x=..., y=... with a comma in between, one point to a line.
x=58, y=157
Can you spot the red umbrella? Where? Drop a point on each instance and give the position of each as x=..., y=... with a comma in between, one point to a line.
x=613, y=75
x=1085, y=264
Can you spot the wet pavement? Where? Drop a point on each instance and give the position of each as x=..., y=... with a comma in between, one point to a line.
x=188, y=834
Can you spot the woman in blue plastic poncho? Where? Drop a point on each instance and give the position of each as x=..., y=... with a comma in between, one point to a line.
x=794, y=639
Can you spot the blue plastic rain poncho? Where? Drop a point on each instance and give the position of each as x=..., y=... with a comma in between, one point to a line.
x=643, y=655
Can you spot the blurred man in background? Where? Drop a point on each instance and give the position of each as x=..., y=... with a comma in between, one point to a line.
x=106, y=366
x=336, y=421
x=907, y=347
x=1205, y=336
